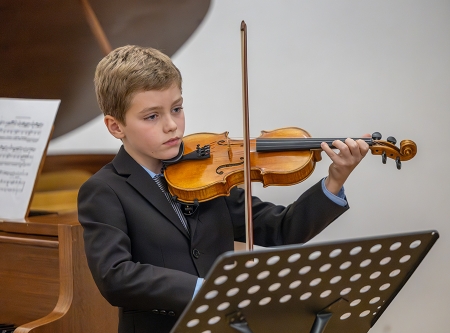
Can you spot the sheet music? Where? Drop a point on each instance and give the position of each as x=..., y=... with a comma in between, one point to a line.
x=25, y=127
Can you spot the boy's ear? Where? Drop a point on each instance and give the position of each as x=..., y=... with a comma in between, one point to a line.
x=114, y=126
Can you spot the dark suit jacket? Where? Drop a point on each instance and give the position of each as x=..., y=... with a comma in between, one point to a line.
x=142, y=258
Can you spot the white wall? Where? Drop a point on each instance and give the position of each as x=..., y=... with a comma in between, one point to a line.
x=336, y=68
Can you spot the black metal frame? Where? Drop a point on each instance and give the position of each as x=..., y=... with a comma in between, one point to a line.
x=331, y=287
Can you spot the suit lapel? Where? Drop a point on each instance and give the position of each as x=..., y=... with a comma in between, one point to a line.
x=146, y=186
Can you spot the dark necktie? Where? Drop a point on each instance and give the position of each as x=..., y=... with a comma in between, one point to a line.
x=162, y=183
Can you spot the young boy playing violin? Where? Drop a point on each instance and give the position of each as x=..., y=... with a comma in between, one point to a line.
x=146, y=256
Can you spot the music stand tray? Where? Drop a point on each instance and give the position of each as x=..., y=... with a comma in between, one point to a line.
x=338, y=286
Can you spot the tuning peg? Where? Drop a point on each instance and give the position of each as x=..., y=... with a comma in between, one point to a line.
x=383, y=157
x=392, y=140
x=398, y=162
x=376, y=136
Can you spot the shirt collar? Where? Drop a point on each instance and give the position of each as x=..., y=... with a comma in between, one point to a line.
x=151, y=173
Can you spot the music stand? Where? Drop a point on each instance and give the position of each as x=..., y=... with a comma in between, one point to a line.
x=331, y=287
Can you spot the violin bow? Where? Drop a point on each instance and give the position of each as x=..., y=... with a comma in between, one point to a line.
x=246, y=141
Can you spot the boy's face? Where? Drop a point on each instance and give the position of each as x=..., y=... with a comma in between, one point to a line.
x=154, y=126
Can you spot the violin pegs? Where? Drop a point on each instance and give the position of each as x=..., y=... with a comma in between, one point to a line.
x=392, y=140
x=383, y=157
x=376, y=136
x=398, y=162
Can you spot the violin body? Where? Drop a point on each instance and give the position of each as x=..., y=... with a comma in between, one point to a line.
x=209, y=178
x=285, y=156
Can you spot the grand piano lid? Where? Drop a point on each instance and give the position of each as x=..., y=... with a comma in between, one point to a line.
x=49, y=51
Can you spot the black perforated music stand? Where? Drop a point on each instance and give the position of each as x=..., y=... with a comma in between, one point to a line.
x=331, y=287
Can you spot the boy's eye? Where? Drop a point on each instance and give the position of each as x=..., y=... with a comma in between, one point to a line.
x=178, y=109
x=150, y=117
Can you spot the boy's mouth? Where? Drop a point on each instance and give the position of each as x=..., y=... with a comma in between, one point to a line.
x=173, y=141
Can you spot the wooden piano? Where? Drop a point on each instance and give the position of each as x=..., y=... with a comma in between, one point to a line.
x=45, y=283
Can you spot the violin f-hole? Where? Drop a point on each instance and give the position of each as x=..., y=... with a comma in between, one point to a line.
x=229, y=165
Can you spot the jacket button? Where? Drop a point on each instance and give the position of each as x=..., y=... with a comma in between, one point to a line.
x=155, y=311
x=163, y=312
x=171, y=313
x=196, y=253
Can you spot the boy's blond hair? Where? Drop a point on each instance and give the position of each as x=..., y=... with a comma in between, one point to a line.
x=128, y=70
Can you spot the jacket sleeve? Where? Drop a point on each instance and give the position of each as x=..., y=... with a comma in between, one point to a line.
x=275, y=225
x=121, y=281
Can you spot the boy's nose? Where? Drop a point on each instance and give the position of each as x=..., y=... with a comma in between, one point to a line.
x=170, y=125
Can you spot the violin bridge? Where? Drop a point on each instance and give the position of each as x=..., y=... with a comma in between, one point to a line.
x=230, y=151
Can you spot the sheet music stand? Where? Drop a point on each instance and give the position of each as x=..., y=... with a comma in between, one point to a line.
x=330, y=287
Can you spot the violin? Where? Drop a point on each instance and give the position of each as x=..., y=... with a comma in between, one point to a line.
x=209, y=165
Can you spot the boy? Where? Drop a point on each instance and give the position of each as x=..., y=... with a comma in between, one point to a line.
x=145, y=255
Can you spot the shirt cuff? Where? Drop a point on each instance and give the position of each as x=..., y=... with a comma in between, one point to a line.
x=339, y=199
x=197, y=286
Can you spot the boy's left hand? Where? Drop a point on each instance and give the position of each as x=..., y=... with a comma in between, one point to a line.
x=350, y=153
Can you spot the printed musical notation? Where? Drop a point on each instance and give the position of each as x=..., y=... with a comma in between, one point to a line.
x=25, y=127
x=18, y=152
x=18, y=130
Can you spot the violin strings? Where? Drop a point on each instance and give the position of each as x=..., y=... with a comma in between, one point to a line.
x=289, y=143
x=265, y=144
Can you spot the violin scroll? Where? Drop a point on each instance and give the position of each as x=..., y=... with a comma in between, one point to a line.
x=407, y=150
